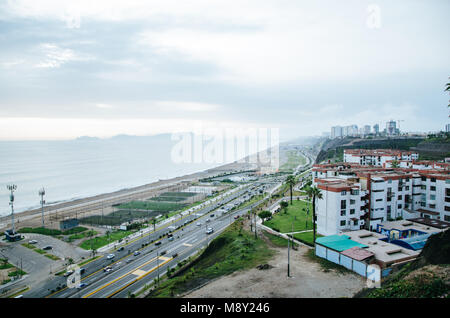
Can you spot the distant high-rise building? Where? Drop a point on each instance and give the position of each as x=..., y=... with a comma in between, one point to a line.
x=366, y=129
x=391, y=128
x=447, y=128
x=336, y=132
x=376, y=129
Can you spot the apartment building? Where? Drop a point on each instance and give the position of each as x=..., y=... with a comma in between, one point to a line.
x=377, y=157
x=355, y=196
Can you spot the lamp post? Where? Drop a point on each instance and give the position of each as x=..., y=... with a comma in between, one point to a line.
x=42, y=193
x=12, y=188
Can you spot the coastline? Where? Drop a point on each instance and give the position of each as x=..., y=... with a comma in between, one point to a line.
x=97, y=202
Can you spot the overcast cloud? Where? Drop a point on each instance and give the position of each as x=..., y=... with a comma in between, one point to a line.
x=102, y=68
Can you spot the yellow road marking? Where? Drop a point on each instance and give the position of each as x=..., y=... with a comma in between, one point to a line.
x=139, y=278
x=139, y=272
x=164, y=258
x=186, y=244
x=115, y=280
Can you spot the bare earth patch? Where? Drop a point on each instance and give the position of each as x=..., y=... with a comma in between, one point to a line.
x=308, y=280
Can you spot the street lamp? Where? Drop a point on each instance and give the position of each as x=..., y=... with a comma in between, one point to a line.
x=12, y=188
x=42, y=193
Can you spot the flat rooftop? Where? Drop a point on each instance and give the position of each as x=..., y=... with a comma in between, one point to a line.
x=426, y=222
x=410, y=224
x=383, y=251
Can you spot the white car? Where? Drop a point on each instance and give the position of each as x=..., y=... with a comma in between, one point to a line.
x=32, y=242
x=209, y=230
x=110, y=256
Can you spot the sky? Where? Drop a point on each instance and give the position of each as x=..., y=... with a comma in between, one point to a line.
x=109, y=67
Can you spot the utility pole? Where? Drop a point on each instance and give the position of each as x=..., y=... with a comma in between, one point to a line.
x=12, y=188
x=157, y=264
x=256, y=236
x=42, y=193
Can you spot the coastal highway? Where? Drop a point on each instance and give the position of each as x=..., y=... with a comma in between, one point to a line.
x=94, y=270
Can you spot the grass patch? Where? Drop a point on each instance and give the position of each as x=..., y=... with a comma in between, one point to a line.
x=78, y=236
x=154, y=206
x=4, y=264
x=306, y=237
x=296, y=213
x=75, y=230
x=235, y=249
x=52, y=257
x=40, y=230
x=40, y=251
x=6, y=281
x=19, y=292
x=100, y=241
x=28, y=245
x=276, y=240
x=326, y=264
x=17, y=272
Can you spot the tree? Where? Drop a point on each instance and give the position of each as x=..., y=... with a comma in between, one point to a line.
x=290, y=180
x=314, y=193
x=395, y=164
x=265, y=215
x=284, y=205
x=154, y=224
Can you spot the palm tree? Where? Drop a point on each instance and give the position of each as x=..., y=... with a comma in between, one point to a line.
x=290, y=180
x=154, y=224
x=314, y=193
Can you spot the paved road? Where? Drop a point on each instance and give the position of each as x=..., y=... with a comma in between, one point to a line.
x=94, y=270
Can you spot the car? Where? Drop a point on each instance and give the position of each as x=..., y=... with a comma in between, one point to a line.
x=82, y=285
x=110, y=256
x=199, y=224
x=174, y=255
x=158, y=243
x=169, y=235
x=171, y=238
x=163, y=253
x=137, y=253
x=211, y=216
x=121, y=249
x=209, y=230
x=68, y=273
x=32, y=242
x=107, y=269
x=129, y=260
x=208, y=220
x=82, y=270
x=236, y=217
x=48, y=247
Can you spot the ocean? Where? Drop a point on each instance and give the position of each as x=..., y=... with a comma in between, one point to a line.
x=84, y=167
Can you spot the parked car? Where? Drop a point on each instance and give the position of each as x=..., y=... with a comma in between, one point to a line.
x=82, y=270
x=211, y=216
x=129, y=260
x=199, y=224
x=110, y=256
x=171, y=238
x=137, y=253
x=82, y=285
x=68, y=273
x=163, y=253
x=158, y=243
x=121, y=249
x=32, y=242
x=48, y=247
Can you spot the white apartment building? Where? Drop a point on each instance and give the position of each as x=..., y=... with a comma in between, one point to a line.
x=356, y=196
x=377, y=157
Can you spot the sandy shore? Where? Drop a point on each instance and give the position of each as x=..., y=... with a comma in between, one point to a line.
x=103, y=203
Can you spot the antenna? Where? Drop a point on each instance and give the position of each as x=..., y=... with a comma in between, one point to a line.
x=12, y=188
x=42, y=193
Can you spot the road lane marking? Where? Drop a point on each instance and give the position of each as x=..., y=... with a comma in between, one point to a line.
x=139, y=272
x=120, y=277
x=139, y=278
x=186, y=244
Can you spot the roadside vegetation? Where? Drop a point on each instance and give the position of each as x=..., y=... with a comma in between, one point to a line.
x=40, y=251
x=293, y=218
x=99, y=241
x=235, y=249
x=294, y=159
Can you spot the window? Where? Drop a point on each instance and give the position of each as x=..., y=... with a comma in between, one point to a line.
x=342, y=212
x=343, y=204
x=423, y=187
x=424, y=178
x=352, y=211
x=447, y=218
x=379, y=200
x=432, y=188
x=399, y=206
x=343, y=192
x=355, y=192
x=343, y=223
x=432, y=197
x=433, y=179
x=407, y=188
x=432, y=206
x=447, y=181
x=352, y=201
x=399, y=197
x=390, y=181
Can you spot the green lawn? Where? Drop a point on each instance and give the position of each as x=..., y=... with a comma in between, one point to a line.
x=78, y=236
x=294, y=159
x=282, y=222
x=306, y=237
x=100, y=241
x=154, y=206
